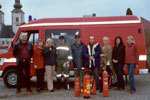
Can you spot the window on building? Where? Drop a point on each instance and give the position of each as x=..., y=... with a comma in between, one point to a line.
x=7, y=42
x=17, y=19
x=3, y=42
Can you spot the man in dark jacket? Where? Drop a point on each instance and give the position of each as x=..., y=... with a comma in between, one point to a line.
x=23, y=52
x=92, y=55
x=77, y=53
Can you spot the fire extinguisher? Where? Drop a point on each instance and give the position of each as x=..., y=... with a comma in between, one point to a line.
x=86, y=86
x=77, y=87
x=105, y=84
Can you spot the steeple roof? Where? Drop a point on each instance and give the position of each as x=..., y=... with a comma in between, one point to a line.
x=17, y=7
x=17, y=4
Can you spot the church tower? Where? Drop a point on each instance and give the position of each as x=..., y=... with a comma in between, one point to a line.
x=17, y=16
x=1, y=18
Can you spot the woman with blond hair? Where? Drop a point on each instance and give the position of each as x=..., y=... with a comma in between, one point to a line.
x=49, y=53
x=131, y=60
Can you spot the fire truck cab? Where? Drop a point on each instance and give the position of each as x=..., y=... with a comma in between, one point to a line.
x=53, y=27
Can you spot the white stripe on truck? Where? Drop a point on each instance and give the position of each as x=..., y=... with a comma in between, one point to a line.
x=3, y=60
x=83, y=23
x=142, y=57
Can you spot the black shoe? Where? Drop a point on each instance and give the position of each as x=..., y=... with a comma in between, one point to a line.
x=123, y=88
x=38, y=90
x=100, y=90
x=18, y=91
x=58, y=84
x=51, y=90
x=110, y=87
x=42, y=88
x=97, y=88
x=29, y=90
x=58, y=87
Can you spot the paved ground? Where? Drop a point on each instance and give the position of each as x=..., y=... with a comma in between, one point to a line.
x=142, y=84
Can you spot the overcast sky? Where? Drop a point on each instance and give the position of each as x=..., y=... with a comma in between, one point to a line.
x=76, y=8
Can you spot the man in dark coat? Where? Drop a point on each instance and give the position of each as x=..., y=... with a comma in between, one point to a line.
x=92, y=55
x=23, y=52
x=77, y=53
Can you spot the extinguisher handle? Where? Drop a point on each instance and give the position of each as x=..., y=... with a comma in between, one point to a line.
x=88, y=72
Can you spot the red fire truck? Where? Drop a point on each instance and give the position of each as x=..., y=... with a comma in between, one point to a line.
x=86, y=26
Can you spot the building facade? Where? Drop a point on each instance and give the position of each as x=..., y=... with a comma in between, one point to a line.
x=8, y=31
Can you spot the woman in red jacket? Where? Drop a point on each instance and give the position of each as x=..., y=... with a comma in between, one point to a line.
x=39, y=65
x=131, y=60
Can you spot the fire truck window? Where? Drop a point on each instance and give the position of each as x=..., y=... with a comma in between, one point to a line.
x=34, y=38
x=68, y=34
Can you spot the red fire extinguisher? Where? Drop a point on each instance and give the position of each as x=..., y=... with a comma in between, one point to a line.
x=105, y=84
x=77, y=87
x=86, y=86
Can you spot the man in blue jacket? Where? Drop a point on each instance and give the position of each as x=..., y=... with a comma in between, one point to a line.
x=92, y=56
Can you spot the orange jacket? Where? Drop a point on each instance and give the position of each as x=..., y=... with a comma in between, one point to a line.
x=38, y=58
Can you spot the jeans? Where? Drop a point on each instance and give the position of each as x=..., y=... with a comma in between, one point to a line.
x=95, y=72
x=119, y=72
x=23, y=74
x=131, y=68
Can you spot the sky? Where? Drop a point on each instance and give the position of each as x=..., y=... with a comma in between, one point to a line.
x=76, y=8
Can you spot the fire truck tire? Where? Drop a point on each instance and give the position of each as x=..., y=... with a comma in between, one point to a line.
x=10, y=78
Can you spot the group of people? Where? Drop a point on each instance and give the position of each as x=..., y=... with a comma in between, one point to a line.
x=92, y=57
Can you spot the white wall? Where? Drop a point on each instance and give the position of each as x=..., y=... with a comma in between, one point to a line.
x=1, y=20
x=21, y=20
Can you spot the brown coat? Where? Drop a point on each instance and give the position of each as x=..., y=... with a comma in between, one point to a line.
x=107, y=52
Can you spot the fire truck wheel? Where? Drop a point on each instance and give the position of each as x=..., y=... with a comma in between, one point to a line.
x=10, y=78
